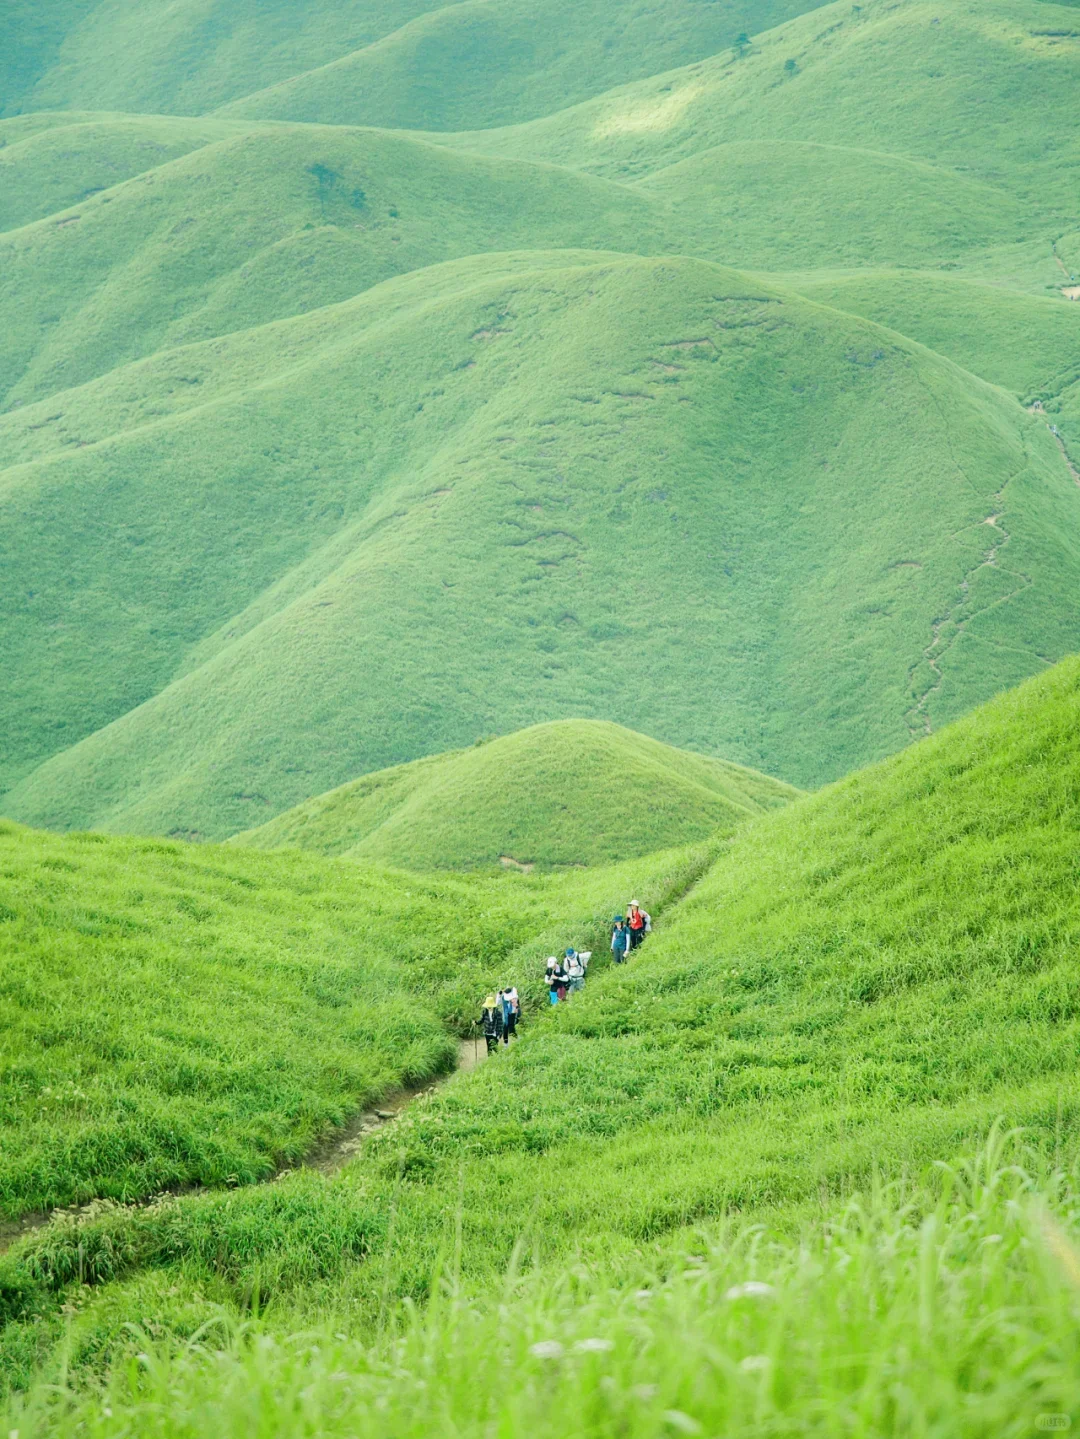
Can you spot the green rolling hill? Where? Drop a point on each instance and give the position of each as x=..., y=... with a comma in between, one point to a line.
x=640, y=383
x=268, y=223
x=191, y=56
x=575, y=792
x=51, y=167
x=779, y=204
x=619, y=487
x=179, y=1016
x=511, y=60
x=324, y=448
x=1027, y=344
x=975, y=87
x=397, y=62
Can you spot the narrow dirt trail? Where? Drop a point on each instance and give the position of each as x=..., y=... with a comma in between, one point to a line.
x=333, y=1152
x=1038, y=410
x=327, y=1157
x=917, y=717
x=336, y=1151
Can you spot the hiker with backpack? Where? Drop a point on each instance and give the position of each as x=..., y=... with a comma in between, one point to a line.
x=620, y=940
x=638, y=922
x=556, y=978
x=576, y=965
x=491, y=1019
x=511, y=1006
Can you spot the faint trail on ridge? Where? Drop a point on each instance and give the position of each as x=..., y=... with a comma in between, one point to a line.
x=1038, y=409
x=333, y=1152
x=917, y=717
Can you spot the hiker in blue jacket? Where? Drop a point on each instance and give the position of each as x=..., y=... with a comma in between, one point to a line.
x=620, y=940
x=508, y=1000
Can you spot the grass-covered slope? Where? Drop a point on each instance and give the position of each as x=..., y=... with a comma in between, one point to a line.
x=861, y=985
x=172, y=1015
x=479, y=63
x=190, y=55
x=246, y=497
x=1028, y=344
x=177, y=1016
x=575, y=792
x=647, y=488
x=411, y=62
x=778, y=204
x=978, y=86
x=268, y=223
x=50, y=163
x=946, y=1307
x=867, y=977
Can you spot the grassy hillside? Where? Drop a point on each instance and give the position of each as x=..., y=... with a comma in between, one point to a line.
x=172, y=1016
x=271, y=496
x=862, y=984
x=778, y=204
x=190, y=56
x=355, y=61
x=52, y=163
x=177, y=1016
x=256, y=225
x=263, y=225
x=977, y=88
x=1028, y=344
x=737, y=404
x=960, y=1294
x=576, y=792
x=625, y=487
x=479, y=63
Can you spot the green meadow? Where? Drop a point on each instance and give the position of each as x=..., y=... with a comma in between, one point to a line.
x=868, y=981
x=948, y=1308
x=177, y=1016
x=505, y=554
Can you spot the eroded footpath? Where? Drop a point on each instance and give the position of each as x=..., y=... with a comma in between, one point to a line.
x=328, y=1156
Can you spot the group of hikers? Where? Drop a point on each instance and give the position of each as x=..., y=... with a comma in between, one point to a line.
x=563, y=975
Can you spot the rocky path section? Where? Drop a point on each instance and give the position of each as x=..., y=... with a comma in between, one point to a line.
x=948, y=628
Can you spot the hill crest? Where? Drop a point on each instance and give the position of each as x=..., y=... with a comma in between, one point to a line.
x=568, y=792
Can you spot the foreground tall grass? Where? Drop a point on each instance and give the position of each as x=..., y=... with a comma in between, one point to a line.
x=945, y=1309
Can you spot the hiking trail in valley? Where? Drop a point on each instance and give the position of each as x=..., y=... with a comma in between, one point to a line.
x=327, y=1156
